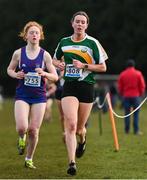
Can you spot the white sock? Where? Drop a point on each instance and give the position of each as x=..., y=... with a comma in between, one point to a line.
x=26, y=158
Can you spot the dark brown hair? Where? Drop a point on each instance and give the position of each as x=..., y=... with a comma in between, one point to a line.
x=80, y=13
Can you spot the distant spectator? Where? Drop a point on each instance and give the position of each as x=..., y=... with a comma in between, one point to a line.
x=131, y=86
x=1, y=98
x=101, y=90
x=50, y=94
x=58, y=97
x=113, y=94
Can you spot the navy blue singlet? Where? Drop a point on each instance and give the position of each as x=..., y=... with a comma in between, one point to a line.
x=32, y=88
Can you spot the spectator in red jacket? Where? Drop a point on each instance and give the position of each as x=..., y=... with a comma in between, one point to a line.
x=131, y=86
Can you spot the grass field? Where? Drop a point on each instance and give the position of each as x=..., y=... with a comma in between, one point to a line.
x=100, y=161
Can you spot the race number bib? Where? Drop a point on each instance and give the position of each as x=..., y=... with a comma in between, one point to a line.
x=72, y=71
x=32, y=79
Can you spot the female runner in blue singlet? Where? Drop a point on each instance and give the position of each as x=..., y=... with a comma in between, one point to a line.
x=30, y=99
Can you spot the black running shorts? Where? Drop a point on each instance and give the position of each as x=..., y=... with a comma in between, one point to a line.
x=83, y=91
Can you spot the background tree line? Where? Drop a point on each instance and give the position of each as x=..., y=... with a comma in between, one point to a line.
x=120, y=26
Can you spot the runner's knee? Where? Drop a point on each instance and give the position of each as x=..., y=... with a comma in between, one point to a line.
x=33, y=132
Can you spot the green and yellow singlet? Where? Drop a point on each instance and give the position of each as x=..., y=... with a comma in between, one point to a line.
x=89, y=51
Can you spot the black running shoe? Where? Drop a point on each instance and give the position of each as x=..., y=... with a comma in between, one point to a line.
x=80, y=149
x=72, y=169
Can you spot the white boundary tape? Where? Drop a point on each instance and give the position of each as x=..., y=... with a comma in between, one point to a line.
x=107, y=97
